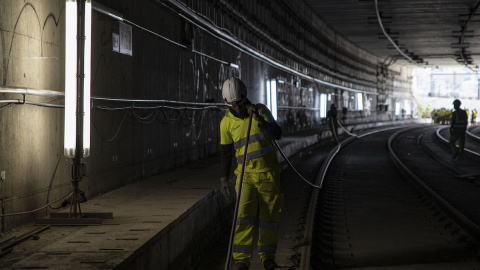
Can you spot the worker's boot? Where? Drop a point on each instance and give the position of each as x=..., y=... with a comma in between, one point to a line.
x=269, y=264
x=239, y=266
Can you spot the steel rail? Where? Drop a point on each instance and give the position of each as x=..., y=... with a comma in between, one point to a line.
x=470, y=227
x=307, y=239
x=473, y=135
x=467, y=224
x=447, y=142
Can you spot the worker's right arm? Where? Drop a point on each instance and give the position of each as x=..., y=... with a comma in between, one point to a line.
x=225, y=159
x=225, y=166
x=266, y=121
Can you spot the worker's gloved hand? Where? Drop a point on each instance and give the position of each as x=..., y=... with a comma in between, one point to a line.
x=225, y=188
x=252, y=108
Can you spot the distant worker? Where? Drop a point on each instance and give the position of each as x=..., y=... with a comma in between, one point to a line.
x=448, y=116
x=332, y=121
x=458, y=128
x=261, y=192
x=428, y=115
x=474, y=117
x=435, y=116
x=443, y=116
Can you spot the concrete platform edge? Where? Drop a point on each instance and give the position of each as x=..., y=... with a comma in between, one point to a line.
x=181, y=243
x=206, y=219
x=214, y=213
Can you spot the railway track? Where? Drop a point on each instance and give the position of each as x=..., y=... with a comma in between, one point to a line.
x=374, y=213
x=473, y=132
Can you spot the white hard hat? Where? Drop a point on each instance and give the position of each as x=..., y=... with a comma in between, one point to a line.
x=234, y=91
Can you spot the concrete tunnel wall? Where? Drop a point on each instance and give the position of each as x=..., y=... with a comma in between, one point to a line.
x=128, y=144
x=31, y=137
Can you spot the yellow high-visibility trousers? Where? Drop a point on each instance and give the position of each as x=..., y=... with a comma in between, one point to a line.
x=261, y=195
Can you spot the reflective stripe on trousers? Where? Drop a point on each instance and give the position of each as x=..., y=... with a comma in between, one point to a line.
x=269, y=225
x=243, y=249
x=267, y=249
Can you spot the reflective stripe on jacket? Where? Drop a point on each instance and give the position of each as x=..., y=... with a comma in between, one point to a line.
x=459, y=120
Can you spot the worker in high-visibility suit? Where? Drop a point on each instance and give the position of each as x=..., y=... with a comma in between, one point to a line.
x=261, y=192
x=458, y=129
x=443, y=116
x=474, y=117
x=428, y=114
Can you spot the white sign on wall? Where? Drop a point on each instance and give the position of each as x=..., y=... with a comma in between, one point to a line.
x=115, y=42
x=125, y=38
x=122, y=42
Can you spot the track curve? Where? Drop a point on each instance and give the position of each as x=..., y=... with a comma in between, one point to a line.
x=370, y=216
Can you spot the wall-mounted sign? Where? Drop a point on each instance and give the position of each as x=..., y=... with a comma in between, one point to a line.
x=122, y=42
x=125, y=38
x=115, y=42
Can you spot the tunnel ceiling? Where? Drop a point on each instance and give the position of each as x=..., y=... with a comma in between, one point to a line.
x=426, y=31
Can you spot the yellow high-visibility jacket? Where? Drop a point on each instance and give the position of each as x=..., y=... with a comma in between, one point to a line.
x=261, y=156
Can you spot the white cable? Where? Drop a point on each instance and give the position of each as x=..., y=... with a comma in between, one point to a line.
x=31, y=211
x=346, y=131
x=291, y=165
x=389, y=38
